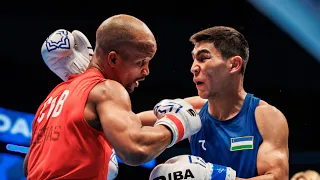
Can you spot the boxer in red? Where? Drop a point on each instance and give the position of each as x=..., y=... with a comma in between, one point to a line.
x=88, y=117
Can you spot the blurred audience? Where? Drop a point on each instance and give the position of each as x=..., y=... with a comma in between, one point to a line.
x=306, y=175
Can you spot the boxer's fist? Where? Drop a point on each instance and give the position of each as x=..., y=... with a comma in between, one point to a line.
x=182, y=167
x=179, y=116
x=67, y=53
x=191, y=167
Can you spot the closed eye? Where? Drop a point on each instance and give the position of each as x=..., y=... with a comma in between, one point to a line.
x=201, y=55
x=203, y=58
x=141, y=63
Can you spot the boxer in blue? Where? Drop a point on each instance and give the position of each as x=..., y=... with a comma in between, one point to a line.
x=238, y=130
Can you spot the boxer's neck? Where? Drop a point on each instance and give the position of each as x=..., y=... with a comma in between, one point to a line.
x=96, y=63
x=227, y=104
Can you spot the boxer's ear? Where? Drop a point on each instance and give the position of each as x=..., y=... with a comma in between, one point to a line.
x=235, y=64
x=112, y=58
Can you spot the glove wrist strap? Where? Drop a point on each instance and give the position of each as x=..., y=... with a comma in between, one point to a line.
x=219, y=172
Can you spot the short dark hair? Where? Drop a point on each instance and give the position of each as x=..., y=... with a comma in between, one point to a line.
x=228, y=41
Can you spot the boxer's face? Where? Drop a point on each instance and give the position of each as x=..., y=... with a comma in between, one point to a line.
x=133, y=72
x=210, y=70
x=133, y=67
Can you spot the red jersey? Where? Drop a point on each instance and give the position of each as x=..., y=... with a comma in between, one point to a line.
x=63, y=144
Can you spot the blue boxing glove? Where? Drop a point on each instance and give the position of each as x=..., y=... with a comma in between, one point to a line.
x=191, y=167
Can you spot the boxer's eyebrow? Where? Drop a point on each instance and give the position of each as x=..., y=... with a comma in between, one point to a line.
x=200, y=52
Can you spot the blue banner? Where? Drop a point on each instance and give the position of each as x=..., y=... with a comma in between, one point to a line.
x=11, y=167
x=15, y=127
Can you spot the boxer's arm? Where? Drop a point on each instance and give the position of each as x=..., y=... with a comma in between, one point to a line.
x=273, y=156
x=196, y=101
x=148, y=118
x=134, y=144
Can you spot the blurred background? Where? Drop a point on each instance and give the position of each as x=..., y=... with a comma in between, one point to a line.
x=283, y=68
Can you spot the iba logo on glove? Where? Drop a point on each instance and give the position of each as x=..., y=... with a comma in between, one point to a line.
x=58, y=40
x=177, y=175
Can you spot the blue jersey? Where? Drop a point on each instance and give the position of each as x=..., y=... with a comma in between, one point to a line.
x=233, y=143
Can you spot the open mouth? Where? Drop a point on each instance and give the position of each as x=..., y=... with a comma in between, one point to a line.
x=137, y=82
x=198, y=83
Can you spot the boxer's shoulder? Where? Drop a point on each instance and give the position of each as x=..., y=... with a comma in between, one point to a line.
x=196, y=101
x=269, y=118
x=109, y=95
x=109, y=90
